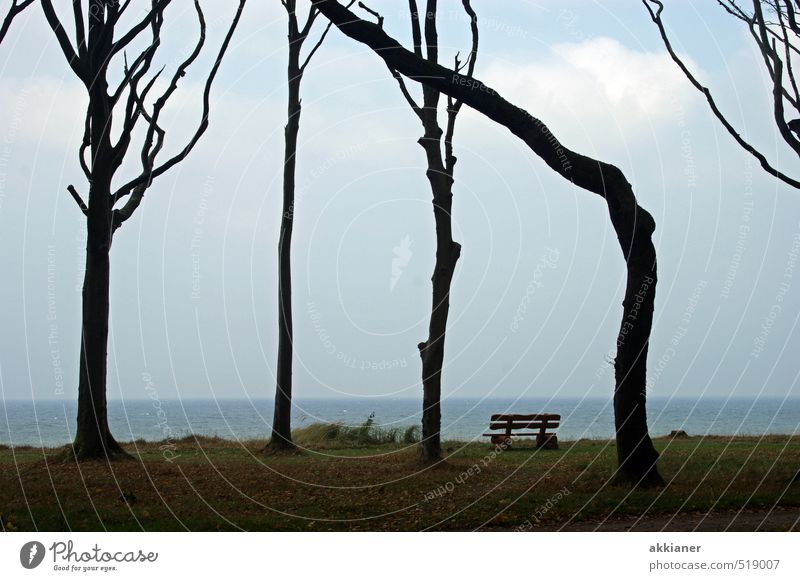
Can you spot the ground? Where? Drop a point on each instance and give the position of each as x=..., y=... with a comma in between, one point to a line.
x=212, y=484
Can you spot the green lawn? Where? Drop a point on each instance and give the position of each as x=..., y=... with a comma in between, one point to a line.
x=212, y=484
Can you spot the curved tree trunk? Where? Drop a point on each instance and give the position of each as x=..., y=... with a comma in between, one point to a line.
x=636, y=456
x=634, y=225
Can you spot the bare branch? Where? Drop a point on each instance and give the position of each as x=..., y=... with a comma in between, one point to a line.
x=788, y=54
x=150, y=152
x=121, y=215
x=315, y=48
x=14, y=10
x=154, y=139
x=80, y=32
x=473, y=53
x=770, y=53
x=85, y=144
x=416, y=33
x=312, y=15
x=454, y=105
x=655, y=15
x=373, y=12
x=404, y=90
x=75, y=63
x=78, y=200
x=430, y=32
x=157, y=8
x=141, y=65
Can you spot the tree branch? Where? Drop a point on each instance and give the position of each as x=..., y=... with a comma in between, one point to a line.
x=373, y=12
x=770, y=53
x=454, y=106
x=150, y=151
x=14, y=10
x=655, y=15
x=157, y=8
x=80, y=31
x=416, y=32
x=404, y=90
x=585, y=172
x=78, y=200
x=75, y=63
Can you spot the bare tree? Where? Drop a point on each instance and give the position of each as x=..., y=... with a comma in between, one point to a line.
x=440, y=177
x=282, y=418
x=774, y=28
x=637, y=457
x=13, y=11
x=98, y=45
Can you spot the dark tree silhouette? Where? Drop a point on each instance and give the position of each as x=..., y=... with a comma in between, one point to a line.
x=282, y=418
x=97, y=43
x=13, y=11
x=637, y=458
x=440, y=177
x=775, y=30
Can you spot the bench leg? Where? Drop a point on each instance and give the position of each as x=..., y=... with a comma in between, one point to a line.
x=546, y=442
x=501, y=442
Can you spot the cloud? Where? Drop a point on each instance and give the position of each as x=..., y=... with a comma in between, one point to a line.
x=597, y=85
x=44, y=110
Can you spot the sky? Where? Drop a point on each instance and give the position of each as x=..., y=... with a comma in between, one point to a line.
x=536, y=299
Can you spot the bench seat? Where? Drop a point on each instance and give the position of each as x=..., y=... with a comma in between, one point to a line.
x=516, y=434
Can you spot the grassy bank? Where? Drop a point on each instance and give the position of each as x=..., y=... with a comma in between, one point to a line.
x=372, y=480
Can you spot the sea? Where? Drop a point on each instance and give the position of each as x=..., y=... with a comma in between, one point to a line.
x=50, y=423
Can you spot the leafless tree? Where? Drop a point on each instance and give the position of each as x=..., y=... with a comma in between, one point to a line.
x=438, y=147
x=13, y=11
x=774, y=28
x=99, y=45
x=637, y=457
x=282, y=420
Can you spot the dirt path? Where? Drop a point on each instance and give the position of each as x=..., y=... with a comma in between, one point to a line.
x=778, y=519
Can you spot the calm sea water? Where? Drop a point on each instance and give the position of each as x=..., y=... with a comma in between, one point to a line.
x=51, y=423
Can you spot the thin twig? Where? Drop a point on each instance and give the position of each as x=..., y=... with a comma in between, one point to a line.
x=78, y=200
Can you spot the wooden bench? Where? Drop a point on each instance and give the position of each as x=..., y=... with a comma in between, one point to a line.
x=507, y=425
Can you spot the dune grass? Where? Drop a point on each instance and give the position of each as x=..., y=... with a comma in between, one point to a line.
x=321, y=436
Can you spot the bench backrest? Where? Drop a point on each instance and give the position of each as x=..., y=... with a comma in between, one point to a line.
x=524, y=421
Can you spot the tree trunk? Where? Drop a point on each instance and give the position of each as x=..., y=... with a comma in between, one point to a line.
x=93, y=439
x=634, y=225
x=636, y=455
x=432, y=351
x=282, y=420
x=447, y=254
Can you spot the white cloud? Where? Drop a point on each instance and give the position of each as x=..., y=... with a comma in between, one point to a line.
x=44, y=110
x=599, y=85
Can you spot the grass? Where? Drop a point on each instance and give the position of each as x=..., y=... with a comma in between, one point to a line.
x=366, y=478
x=323, y=436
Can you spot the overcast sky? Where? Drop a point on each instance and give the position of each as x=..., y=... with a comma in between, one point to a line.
x=536, y=300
